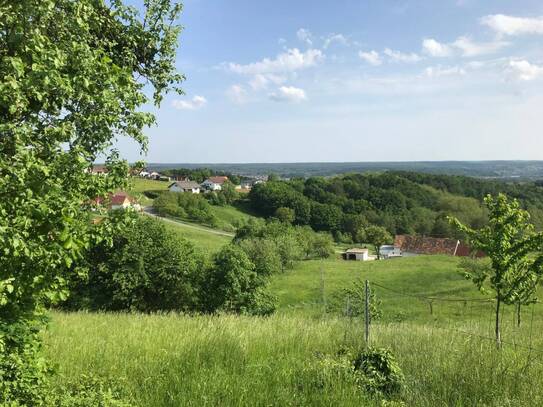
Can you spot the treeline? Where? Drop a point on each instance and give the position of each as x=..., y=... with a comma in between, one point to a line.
x=200, y=174
x=403, y=203
x=149, y=268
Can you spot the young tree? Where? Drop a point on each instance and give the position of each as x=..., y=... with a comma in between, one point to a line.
x=377, y=236
x=508, y=240
x=73, y=77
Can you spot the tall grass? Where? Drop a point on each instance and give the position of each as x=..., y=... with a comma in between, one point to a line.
x=175, y=360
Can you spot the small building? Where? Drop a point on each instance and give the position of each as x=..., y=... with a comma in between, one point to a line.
x=214, y=183
x=356, y=254
x=390, y=251
x=99, y=170
x=121, y=200
x=185, y=186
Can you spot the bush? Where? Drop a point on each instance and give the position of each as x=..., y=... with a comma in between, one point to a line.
x=379, y=372
x=148, y=268
x=88, y=391
x=234, y=286
x=186, y=206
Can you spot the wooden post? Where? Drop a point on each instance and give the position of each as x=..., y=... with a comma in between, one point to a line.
x=367, y=313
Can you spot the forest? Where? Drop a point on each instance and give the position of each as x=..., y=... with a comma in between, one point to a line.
x=401, y=202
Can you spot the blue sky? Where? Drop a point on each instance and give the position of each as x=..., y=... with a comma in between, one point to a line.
x=291, y=81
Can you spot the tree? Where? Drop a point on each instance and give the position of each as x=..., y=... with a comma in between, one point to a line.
x=148, y=268
x=234, y=286
x=285, y=215
x=508, y=240
x=377, y=236
x=75, y=77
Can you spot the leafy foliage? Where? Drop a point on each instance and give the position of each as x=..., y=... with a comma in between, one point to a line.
x=508, y=240
x=148, y=268
x=401, y=202
x=73, y=77
x=233, y=285
x=185, y=206
x=379, y=371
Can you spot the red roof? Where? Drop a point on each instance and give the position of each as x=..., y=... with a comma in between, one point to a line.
x=218, y=180
x=118, y=198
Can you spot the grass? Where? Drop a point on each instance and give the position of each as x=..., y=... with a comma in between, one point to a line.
x=205, y=240
x=140, y=185
x=176, y=360
x=230, y=217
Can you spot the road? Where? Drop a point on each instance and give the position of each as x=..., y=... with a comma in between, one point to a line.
x=148, y=211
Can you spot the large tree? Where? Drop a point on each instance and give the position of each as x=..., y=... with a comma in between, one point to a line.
x=514, y=250
x=75, y=76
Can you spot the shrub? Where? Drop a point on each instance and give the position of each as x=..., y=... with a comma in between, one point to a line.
x=378, y=371
x=88, y=391
x=233, y=285
x=148, y=268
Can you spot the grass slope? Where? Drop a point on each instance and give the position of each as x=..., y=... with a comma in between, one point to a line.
x=173, y=360
x=205, y=240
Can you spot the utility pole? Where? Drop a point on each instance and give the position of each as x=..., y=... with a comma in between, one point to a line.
x=367, y=313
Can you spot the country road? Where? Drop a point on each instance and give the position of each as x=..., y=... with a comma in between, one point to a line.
x=148, y=211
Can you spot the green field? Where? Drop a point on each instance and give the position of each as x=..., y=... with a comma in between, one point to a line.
x=201, y=238
x=448, y=357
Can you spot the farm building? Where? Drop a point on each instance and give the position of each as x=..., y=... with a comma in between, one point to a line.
x=185, y=186
x=214, y=183
x=390, y=251
x=433, y=245
x=356, y=254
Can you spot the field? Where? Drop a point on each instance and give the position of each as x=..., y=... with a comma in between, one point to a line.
x=436, y=323
x=177, y=360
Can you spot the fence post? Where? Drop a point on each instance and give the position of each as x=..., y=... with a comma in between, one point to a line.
x=367, y=313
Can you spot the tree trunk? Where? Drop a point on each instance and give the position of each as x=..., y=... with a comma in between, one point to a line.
x=518, y=314
x=498, y=335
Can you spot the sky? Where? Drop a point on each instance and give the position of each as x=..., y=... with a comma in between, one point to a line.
x=345, y=80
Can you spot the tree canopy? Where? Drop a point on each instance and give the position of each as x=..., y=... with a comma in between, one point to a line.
x=76, y=75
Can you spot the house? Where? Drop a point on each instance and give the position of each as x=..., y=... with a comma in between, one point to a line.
x=390, y=251
x=99, y=170
x=356, y=254
x=214, y=183
x=121, y=200
x=185, y=186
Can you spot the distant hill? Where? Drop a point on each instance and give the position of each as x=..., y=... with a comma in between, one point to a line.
x=504, y=170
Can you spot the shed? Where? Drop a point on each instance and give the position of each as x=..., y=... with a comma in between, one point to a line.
x=356, y=254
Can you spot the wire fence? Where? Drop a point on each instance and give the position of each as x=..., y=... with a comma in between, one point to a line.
x=475, y=301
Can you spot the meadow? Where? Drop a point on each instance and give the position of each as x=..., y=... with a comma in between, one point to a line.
x=448, y=357
x=439, y=327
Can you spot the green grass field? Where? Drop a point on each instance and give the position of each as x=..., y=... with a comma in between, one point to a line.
x=175, y=360
x=205, y=240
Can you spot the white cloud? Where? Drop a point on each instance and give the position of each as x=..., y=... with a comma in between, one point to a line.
x=261, y=81
x=372, y=57
x=509, y=25
x=335, y=38
x=398, y=56
x=195, y=103
x=237, y=94
x=440, y=71
x=289, y=61
x=524, y=70
x=463, y=46
x=288, y=94
x=471, y=49
x=435, y=48
x=304, y=36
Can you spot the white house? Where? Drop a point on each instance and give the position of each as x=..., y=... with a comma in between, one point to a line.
x=185, y=186
x=390, y=251
x=214, y=183
x=356, y=254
